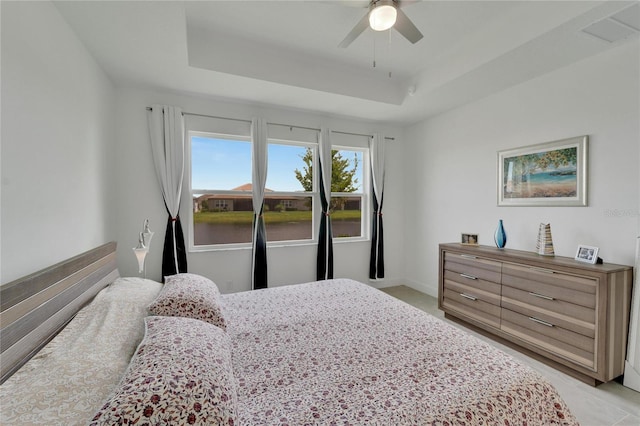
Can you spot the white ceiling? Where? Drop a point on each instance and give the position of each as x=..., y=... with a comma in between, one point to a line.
x=285, y=53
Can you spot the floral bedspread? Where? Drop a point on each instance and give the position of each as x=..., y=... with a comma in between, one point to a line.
x=340, y=352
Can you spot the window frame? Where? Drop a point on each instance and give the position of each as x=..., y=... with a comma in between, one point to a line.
x=315, y=194
x=192, y=192
x=365, y=195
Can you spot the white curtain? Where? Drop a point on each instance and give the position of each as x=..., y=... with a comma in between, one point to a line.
x=259, y=179
x=324, y=266
x=376, y=264
x=166, y=128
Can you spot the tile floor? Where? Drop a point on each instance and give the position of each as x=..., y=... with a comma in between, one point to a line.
x=608, y=404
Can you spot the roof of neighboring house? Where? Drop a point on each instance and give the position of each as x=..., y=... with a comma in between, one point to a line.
x=247, y=187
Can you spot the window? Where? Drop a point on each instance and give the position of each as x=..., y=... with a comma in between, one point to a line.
x=290, y=191
x=347, y=193
x=221, y=189
x=221, y=205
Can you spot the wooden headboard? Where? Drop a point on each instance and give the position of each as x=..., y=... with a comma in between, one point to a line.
x=33, y=309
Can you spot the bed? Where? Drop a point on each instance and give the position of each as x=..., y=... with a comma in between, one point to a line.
x=327, y=352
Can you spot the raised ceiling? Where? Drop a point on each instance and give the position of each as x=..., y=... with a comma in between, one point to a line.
x=286, y=53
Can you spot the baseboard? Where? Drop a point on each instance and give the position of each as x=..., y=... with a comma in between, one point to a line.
x=631, y=377
x=422, y=287
x=385, y=282
x=392, y=282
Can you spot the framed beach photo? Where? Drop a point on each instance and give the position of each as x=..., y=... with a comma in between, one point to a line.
x=548, y=174
x=587, y=254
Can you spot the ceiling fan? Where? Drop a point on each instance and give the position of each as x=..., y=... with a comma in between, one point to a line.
x=382, y=15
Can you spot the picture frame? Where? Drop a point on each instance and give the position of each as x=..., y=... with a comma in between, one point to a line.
x=587, y=254
x=544, y=175
x=469, y=239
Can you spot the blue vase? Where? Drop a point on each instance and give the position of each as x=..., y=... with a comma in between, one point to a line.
x=500, y=237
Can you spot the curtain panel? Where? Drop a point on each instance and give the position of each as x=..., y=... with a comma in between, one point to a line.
x=324, y=266
x=259, y=179
x=376, y=263
x=166, y=128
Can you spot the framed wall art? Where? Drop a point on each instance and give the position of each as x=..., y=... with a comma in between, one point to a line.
x=547, y=174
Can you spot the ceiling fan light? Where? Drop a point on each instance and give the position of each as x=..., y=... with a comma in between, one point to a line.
x=382, y=17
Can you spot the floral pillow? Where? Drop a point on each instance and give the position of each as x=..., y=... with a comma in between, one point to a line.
x=180, y=374
x=191, y=296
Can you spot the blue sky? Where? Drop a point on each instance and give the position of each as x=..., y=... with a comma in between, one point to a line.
x=226, y=164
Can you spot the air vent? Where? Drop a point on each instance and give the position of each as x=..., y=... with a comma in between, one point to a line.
x=618, y=26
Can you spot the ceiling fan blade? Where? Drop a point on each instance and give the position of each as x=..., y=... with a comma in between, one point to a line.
x=405, y=27
x=362, y=25
x=350, y=3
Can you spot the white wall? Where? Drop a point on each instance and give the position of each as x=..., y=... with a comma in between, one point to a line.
x=139, y=197
x=57, y=131
x=451, y=165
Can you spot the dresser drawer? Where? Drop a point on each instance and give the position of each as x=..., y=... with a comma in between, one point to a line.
x=452, y=278
x=574, y=347
x=472, y=266
x=573, y=317
x=551, y=284
x=471, y=306
x=474, y=291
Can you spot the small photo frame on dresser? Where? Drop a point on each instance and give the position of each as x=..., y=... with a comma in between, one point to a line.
x=587, y=254
x=469, y=239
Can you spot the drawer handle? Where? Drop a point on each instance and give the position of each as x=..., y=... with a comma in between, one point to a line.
x=541, y=296
x=546, y=271
x=468, y=256
x=466, y=296
x=471, y=277
x=539, y=321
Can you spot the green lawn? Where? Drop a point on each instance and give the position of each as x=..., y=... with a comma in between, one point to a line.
x=270, y=217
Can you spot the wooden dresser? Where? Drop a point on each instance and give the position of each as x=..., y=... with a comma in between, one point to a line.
x=570, y=314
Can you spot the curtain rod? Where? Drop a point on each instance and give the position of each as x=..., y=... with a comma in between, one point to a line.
x=332, y=131
x=278, y=124
x=210, y=116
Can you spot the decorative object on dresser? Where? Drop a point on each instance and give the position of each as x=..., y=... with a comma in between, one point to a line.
x=548, y=174
x=587, y=254
x=500, y=236
x=572, y=315
x=544, y=245
x=469, y=239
